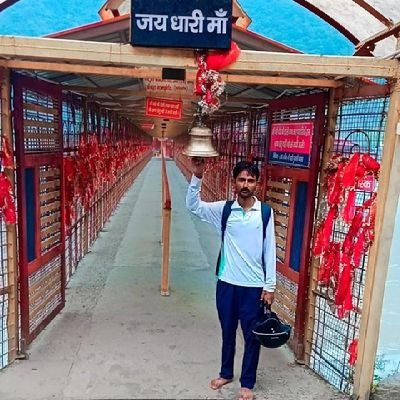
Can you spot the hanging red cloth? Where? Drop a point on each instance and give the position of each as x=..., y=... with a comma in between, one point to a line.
x=329, y=269
x=318, y=239
x=7, y=206
x=353, y=352
x=349, y=172
x=350, y=207
x=327, y=227
x=343, y=296
x=334, y=180
x=370, y=205
x=220, y=59
x=358, y=249
x=199, y=87
x=353, y=231
x=6, y=157
x=10, y=214
x=370, y=164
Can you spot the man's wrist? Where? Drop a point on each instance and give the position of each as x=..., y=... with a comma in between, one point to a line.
x=268, y=290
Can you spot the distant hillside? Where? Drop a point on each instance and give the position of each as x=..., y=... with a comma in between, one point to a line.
x=281, y=20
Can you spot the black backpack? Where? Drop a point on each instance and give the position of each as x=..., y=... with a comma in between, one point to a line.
x=265, y=214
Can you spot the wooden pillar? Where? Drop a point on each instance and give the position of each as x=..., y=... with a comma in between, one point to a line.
x=11, y=230
x=328, y=146
x=387, y=200
x=165, y=226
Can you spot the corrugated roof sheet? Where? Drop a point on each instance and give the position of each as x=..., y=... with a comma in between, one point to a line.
x=360, y=20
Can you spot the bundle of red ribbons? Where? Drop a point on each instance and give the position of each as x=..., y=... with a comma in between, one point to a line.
x=209, y=84
x=94, y=164
x=340, y=258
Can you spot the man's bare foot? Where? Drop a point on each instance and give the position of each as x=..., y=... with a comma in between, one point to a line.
x=217, y=383
x=246, y=394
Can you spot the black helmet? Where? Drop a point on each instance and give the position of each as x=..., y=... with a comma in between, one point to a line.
x=270, y=331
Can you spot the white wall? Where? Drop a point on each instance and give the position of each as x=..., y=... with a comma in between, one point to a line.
x=388, y=355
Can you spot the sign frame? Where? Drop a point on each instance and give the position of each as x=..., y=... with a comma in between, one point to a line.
x=197, y=24
x=290, y=143
x=164, y=108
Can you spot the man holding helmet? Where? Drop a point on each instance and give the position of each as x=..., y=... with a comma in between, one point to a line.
x=246, y=269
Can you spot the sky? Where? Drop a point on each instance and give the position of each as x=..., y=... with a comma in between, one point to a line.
x=281, y=20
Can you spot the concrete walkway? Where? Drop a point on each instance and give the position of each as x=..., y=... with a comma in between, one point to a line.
x=117, y=338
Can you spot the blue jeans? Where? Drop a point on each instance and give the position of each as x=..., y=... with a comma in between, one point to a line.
x=234, y=304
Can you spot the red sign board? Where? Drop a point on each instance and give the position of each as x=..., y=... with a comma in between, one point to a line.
x=163, y=108
x=367, y=184
x=291, y=143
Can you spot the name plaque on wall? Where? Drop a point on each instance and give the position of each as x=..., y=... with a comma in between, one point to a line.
x=199, y=24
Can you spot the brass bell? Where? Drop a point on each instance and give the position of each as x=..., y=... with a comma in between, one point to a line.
x=200, y=143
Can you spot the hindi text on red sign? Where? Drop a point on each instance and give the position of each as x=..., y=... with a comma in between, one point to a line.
x=163, y=108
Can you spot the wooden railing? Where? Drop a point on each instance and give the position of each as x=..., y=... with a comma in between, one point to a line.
x=166, y=227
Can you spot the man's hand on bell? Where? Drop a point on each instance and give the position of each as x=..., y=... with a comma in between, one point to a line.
x=198, y=166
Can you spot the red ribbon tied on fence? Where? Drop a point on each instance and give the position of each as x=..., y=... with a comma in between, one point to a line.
x=7, y=206
x=94, y=164
x=353, y=352
x=6, y=156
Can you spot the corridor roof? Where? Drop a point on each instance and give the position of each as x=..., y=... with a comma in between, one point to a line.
x=266, y=70
x=372, y=25
x=6, y=3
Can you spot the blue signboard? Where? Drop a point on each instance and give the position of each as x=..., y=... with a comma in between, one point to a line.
x=198, y=24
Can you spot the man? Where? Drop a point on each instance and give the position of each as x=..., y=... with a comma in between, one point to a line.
x=243, y=280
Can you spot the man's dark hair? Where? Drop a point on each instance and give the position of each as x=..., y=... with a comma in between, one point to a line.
x=248, y=166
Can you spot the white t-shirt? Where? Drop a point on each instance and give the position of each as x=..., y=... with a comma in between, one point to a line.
x=241, y=256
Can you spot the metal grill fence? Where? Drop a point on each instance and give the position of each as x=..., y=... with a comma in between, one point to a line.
x=4, y=285
x=360, y=127
x=79, y=118
x=8, y=300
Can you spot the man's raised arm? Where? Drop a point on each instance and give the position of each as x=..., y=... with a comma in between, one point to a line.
x=210, y=212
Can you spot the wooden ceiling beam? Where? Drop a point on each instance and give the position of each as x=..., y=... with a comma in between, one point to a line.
x=142, y=73
x=123, y=93
x=281, y=81
x=82, y=69
x=125, y=55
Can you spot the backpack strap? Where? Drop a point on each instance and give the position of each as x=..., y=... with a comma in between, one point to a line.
x=265, y=215
x=226, y=212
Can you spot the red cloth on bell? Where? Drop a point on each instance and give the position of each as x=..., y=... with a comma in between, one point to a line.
x=220, y=59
